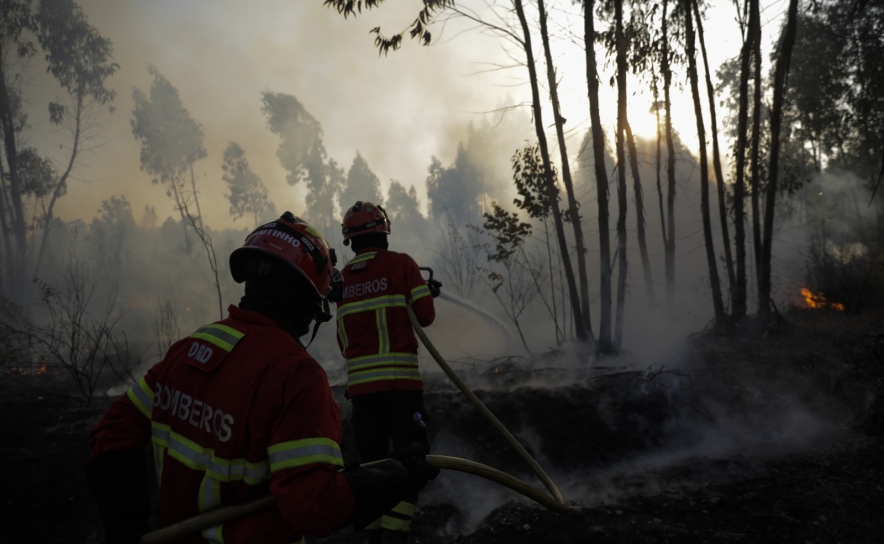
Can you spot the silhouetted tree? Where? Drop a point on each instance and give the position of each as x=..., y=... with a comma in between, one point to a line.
x=362, y=184
x=247, y=192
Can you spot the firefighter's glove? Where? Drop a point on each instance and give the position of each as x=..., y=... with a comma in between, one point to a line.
x=118, y=484
x=435, y=287
x=378, y=488
x=414, y=458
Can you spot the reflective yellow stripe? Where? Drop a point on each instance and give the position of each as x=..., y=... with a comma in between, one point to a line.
x=219, y=335
x=159, y=458
x=376, y=524
x=405, y=508
x=420, y=291
x=342, y=335
x=385, y=301
x=376, y=375
x=210, y=497
x=297, y=453
x=363, y=257
x=383, y=334
x=196, y=457
x=142, y=397
x=395, y=524
x=385, y=359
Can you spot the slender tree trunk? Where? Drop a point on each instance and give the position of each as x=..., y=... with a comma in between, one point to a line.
x=659, y=162
x=782, y=72
x=640, y=214
x=704, y=164
x=8, y=253
x=60, y=185
x=552, y=190
x=739, y=184
x=754, y=174
x=716, y=159
x=621, y=173
x=601, y=178
x=196, y=199
x=18, y=214
x=670, y=165
x=573, y=206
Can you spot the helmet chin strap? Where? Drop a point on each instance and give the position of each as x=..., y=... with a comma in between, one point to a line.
x=321, y=317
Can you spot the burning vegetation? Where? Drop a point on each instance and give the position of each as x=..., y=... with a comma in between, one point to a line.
x=818, y=301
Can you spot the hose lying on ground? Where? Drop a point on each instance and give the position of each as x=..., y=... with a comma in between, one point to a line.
x=559, y=498
x=229, y=513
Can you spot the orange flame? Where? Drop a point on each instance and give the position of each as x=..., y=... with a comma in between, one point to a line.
x=818, y=301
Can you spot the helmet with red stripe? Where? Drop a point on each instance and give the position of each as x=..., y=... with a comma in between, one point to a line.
x=291, y=240
x=362, y=218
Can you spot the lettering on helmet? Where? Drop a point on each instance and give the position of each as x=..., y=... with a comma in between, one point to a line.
x=200, y=352
x=281, y=235
x=194, y=411
x=365, y=288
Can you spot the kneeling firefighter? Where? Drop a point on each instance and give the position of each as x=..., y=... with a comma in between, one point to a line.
x=374, y=334
x=239, y=409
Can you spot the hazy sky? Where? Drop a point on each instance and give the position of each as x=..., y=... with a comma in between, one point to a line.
x=397, y=111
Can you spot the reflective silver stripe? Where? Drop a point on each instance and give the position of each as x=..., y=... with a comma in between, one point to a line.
x=220, y=334
x=238, y=469
x=196, y=457
x=384, y=359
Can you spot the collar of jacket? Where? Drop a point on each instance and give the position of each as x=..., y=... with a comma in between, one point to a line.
x=249, y=316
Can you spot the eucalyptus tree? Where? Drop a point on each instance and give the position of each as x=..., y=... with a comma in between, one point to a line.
x=622, y=120
x=573, y=205
x=521, y=36
x=601, y=175
x=247, y=191
x=779, y=91
x=716, y=154
x=171, y=142
x=690, y=43
x=739, y=292
x=80, y=60
x=666, y=59
x=755, y=144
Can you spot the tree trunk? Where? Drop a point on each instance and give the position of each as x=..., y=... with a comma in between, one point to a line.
x=659, y=161
x=670, y=165
x=196, y=200
x=573, y=206
x=776, y=118
x=754, y=174
x=601, y=177
x=620, y=40
x=8, y=250
x=640, y=214
x=18, y=215
x=704, y=164
x=716, y=159
x=739, y=183
x=547, y=167
x=62, y=181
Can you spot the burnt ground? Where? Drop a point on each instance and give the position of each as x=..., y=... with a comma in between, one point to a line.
x=749, y=438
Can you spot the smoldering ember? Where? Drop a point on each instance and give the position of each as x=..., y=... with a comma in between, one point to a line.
x=583, y=271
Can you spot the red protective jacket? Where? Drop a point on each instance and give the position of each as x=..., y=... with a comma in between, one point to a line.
x=373, y=329
x=238, y=409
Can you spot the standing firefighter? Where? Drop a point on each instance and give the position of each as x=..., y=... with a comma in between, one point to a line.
x=375, y=336
x=239, y=409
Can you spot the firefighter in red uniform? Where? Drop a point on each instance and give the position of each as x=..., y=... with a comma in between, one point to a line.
x=239, y=409
x=374, y=334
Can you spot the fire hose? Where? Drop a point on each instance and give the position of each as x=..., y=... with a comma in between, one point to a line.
x=556, y=502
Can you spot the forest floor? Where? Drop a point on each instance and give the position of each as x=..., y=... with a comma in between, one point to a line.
x=773, y=437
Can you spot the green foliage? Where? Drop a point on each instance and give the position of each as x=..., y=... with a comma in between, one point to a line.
x=36, y=173
x=302, y=152
x=530, y=180
x=76, y=54
x=362, y=184
x=171, y=140
x=507, y=232
x=247, y=192
x=416, y=30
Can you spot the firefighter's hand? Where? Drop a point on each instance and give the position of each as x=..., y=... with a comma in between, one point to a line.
x=415, y=461
x=435, y=287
